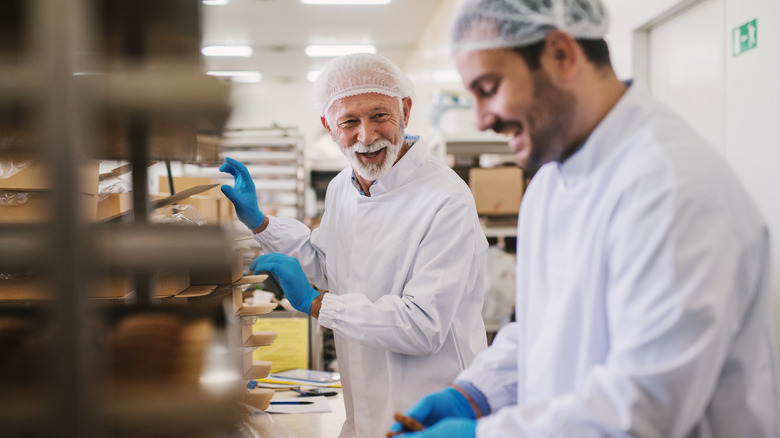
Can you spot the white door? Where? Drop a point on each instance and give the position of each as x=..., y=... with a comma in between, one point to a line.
x=686, y=67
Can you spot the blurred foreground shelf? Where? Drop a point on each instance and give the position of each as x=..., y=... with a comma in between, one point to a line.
x=80, y=356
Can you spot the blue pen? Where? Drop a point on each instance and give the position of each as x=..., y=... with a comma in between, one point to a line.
x=292, y=402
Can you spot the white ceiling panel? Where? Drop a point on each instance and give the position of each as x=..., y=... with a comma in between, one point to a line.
x=279, y=30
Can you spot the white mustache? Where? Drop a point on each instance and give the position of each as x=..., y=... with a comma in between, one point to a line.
x=361, y=148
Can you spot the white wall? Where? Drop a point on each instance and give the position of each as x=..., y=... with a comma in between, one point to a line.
x=747, y=86
x=753, y=116
x=431, y=55
x=625, y=17
x=284, y=104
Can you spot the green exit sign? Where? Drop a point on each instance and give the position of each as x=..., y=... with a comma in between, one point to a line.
x=744, y=37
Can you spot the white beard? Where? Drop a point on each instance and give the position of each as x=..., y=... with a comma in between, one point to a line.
x=373, y=172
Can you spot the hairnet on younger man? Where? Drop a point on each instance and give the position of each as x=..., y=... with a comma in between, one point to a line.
x=498, y=24
x=359, y=73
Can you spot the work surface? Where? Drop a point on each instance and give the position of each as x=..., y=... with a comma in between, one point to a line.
x=313, y=425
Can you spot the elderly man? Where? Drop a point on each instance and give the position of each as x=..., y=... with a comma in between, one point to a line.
x=399, y=249
x=642, y=301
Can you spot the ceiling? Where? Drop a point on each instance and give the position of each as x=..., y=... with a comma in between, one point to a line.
x=279, y=30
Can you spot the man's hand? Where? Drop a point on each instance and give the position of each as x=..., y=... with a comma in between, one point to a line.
x=286, y=272
x=243, y=196
x=438, y=406
x=447, y=428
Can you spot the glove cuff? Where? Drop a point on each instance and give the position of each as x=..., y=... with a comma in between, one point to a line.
x=262, y=226
x=475, y=397
x=461, y=404
x=310, y=296
x=253, y=219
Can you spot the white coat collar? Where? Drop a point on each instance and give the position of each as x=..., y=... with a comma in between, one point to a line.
x=402, y=171
x=608, y=135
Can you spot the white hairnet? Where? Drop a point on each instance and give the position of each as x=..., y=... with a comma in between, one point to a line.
x=494, y=24
x=359, y=73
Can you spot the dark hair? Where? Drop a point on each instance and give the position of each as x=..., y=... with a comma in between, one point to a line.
x=596, y=51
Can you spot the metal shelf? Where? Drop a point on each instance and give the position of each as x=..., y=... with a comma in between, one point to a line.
x=466, y=148
x=476, y=144
x=83, y=64
x=274, y=158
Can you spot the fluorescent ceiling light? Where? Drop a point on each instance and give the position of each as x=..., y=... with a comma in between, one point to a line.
x=243, y=51
x=244, y=76
x=345, y=2
x=313, y=75
x=215, y=2
x=339, y=50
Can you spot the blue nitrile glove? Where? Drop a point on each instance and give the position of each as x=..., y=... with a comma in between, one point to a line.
x=243, y=196
x=448, y=428
x=434, y=407
x=287, y=273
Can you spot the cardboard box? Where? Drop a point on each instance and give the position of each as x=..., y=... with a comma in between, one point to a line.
x=207, y=206
x=112, y=204
x=225, y=213
x=166, y=138
x=163, y=201
x=165, y=284
x=497, y=190
x=25, y=289
x=35, y=175
x=219, y=277
x=181, y=183
x=35, y=206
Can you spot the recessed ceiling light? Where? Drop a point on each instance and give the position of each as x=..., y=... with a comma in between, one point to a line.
x=246, y=76
x=243, y=51
x=345, y=2
x=339, y=50
x=215, y=2
x=313, y=75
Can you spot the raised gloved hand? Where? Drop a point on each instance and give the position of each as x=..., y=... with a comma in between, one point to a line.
x=243, y=196
x=287, y=273
x=437, y=406
x=447, y=428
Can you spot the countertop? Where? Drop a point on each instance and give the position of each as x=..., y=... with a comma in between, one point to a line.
x=309, y=425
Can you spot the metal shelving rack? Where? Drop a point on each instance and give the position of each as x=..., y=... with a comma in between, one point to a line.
x=274, y=157
x=464, y=150
x=63, y=89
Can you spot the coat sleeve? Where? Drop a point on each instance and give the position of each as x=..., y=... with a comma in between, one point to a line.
x=291, y=237
x=674, y=269
x=494, y=371
x=419, y=320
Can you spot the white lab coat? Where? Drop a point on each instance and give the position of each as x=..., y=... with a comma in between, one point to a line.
x=405, y=271
x=642, y=300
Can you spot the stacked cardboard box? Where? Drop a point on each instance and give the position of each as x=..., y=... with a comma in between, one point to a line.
x=497, y=191
x=212, y=204
x=26, y=190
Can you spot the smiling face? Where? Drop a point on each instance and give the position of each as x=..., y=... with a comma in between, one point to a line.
x=525, y=105
x=369, y=129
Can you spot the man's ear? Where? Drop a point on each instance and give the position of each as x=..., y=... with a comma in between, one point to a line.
x=326, y=126
x=407, y=105
x=561, y=56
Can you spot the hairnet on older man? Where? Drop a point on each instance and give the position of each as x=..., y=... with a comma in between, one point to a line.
x=494, y=24
x=359, y=73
